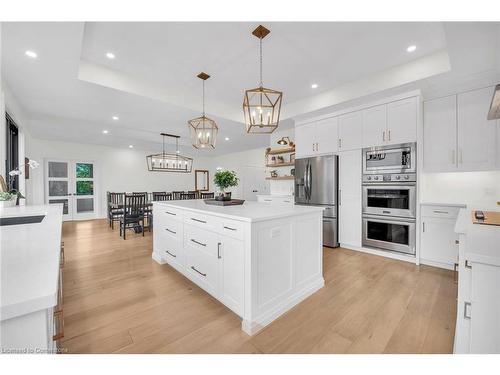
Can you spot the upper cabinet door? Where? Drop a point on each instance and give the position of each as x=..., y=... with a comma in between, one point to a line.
x=327, y=136
x=402, y=121
x=305, y=136
x=350, y=131
x=476, y=135
x=440, y=134
x=375, y=126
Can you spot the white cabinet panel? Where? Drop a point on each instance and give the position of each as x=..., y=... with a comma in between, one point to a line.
x=438, y=241
x=476, y=135
x=304, y=140
x=440, y=134
x=402, y=121
x=350, y=131
x=326, y=136
x=350, y=198
x=231, y=273
x=375, y=126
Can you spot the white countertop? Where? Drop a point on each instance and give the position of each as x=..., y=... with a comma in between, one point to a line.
x=250, y=211
x=483, y=241
x=30, y=261
x=275, y=195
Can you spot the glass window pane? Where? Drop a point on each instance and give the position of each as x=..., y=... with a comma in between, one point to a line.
x=58, y=169
x=84, y=170
x=58, y=188
x=84, y=187
x=85, y=205
x=63, y=201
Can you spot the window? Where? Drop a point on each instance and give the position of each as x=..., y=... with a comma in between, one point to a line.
x=12, y=161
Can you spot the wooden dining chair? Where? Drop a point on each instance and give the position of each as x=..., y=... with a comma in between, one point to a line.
x=115, y=207
x=176, y=195
x=161, y=196
x=133, y=213
x=185, y=196
x=207, y=195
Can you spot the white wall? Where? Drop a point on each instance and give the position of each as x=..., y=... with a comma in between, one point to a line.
x=118, y=169
x=476, y=189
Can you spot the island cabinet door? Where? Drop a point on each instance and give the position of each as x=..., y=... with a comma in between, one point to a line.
x=231, y=273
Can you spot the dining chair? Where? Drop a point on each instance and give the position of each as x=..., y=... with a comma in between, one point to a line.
x=207, y=195
x=176, y=195
x=185, y=196
x=133, y=213
x=115, y=207
x=195, y=192
x=161, y=196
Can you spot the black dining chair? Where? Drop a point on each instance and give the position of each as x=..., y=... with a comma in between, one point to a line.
x=185, y=196
x=148, y=208
x=207, y=195
x=176, y=195
x=161, y=196
x=133, y=213
x=115, y=207
x=195, y=192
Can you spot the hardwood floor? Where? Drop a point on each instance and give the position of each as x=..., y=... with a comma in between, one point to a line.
x=118, y=300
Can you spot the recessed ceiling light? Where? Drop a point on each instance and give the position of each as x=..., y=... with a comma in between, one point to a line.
x=116, y=118
x=411, y=48
x=314, y=86
x=105, y=131
x=110, y=55
x=226, y=139
x=31, y=54
x=130, y=146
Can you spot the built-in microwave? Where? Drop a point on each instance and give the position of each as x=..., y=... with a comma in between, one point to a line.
x=399, y=158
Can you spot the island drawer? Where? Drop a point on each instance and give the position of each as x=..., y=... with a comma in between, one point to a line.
x=201, y=239
x=167, y=212
x=448, y=212
x=171, y=227
x=202, y=268
x=200, y=220
x=171, y=249
x=231, y=228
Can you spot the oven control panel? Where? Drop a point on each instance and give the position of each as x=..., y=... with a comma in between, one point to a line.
x=390, y=177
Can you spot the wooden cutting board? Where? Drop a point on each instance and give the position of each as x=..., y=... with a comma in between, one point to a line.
x=490, y=218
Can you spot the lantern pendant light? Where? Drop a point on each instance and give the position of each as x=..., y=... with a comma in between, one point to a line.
x=203, y=129
x=166, y=162
x=261, y=105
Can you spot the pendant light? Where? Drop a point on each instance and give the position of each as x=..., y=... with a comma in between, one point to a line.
x=261, y=105
x=203, y=129
x=166, y=162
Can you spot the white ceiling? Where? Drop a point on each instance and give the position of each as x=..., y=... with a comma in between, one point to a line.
x=71, y=91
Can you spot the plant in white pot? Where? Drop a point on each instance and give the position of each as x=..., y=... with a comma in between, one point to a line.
x=9, y=198
x=223, y=180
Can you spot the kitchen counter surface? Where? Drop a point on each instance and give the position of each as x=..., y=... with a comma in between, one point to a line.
x=250, y=211
x=275, y=195
x=483, y=241
x=30, y=261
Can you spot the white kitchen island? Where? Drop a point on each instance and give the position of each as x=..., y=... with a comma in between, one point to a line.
x=259, y=260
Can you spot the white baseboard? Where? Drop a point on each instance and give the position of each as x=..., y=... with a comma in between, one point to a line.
x=433, y=263
x=386, y=254
x=157, y=258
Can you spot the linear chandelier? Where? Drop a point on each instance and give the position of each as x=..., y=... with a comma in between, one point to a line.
x=166, y=162
x=261, y=105
x=203, y=129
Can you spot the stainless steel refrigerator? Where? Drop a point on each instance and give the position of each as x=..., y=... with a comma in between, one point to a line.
x=316, y=184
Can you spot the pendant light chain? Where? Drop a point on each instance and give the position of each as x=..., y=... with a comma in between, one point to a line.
x=163, y=144
x=203, y=98
x=261, y=83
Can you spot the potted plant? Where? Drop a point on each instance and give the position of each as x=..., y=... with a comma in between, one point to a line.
x=9, y=198
x=223, y=180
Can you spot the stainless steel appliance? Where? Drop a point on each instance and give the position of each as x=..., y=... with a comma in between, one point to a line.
x=316, y=184
x=389, y=197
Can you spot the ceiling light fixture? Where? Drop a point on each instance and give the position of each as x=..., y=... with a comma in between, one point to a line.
x=203, y=129
x=166, y=162
x=411, y=48
x=110, y=55
x=31, y=54
x=261, y=105
x=314, y=86
x=105, y=131
x=226, y=139
x=284, y=141
x=130, y=146
x=116, y=118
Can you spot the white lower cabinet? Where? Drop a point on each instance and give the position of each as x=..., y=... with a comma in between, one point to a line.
x=231, y=273
x=438, y=240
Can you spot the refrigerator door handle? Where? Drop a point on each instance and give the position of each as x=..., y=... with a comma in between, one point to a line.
x=310, y=180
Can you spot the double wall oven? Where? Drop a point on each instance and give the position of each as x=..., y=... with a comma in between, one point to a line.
x=389, y=198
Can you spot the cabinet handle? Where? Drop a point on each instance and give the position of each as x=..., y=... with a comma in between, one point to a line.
x=389, y=133
x=59, y=319
x=201, y=273
x=62, y=259
x=455, y=274
x=268, y=200
x=170, y=213
x=467, y=264
x=198, y=220
x=383, y=136
x=457, y=242
x=199, y=243
x=218, y=250
x=171, y=231
x=229, y=228
x=466, y=306
x=423, y=226
x=172, y=255
x=440, y=212
x=340, y=143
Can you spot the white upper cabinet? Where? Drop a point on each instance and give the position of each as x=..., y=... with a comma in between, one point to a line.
x=350, y=131
x=440, y=134
x=326, y=136
x=375, y=126
x=402, y=121
x=476, y=135
x=304, y=140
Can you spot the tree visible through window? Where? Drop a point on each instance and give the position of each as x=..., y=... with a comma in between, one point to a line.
x=84, y=170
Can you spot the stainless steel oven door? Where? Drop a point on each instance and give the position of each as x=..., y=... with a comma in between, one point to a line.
x=389, y=200
x=389, y=234
x=390, y=159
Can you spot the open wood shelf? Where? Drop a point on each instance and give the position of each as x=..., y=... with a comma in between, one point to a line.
x=280, y=178
x=288, y=164
x=281, y=151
